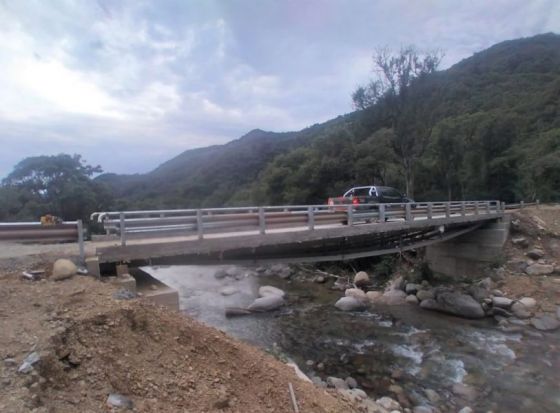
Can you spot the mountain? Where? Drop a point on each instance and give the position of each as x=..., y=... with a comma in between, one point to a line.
x=494, y=122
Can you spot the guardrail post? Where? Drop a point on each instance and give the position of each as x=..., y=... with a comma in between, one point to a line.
x=408, y=213
x=463, y=209
x=538, y=203
x=310, y=218
x=476, y=210
x=487, y=204
x=81, y=241
x=199, y=224
x=447, y=210
x=122, y=228
x=262, y=222
x=430, y=210
x=522, y=204
x=350, y=216
x=381, y=213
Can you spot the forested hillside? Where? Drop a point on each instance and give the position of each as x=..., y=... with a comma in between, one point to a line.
x=494, y=122
x=488, y=127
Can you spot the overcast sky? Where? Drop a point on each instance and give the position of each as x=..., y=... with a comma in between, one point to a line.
x=130, y=84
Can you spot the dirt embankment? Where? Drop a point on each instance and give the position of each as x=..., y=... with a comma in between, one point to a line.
x=91, y=345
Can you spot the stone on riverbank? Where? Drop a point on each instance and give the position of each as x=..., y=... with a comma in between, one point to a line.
x=424, y=295
x=119, y=401
x=412, y=288
x=520, y=311
x=545, y=322
x=220, y=274
x=393, y=297
x=337, y=383
x=229, y=290
x=520, y=242
x=373, y=296
x=266, y=290
x=63, y=269
x=388, y=403
x=267, y=303
x=535, y=253
x=455, y=303
x=539, y=269
x=356, y=293
x=411, y=299
x=503, y=302
x=528, y=302
x=349, y=304
x=361, y=279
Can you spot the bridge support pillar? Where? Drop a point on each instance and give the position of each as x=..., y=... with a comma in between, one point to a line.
x=468, y=255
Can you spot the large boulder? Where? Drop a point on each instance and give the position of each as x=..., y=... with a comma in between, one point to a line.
x=337, y=383
x=349, y=304
x=356, y=293
x=270, y=290
x=361, y=279
x=503, y=302
x=63, y=269
x=267, y=303
x=539, y=269
x=455, y=303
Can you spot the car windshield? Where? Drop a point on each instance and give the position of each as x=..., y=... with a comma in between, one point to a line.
x=393, y=193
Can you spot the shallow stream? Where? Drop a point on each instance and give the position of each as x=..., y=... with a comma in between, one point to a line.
x=465, y=362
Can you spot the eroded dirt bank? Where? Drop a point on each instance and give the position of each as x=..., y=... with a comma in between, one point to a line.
x=91, y=345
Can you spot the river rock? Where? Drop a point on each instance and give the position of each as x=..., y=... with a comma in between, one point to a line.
x=397, y=284
x=337, y=383
x=267, y=303
x=545, y=322
x=464, y=390
x=281, y=270
x=361, y=279
x=119, y=401
x=501, y=312
x=520, y=242
x=229, y=290
x=236, y=311
x=520, y=311
x=432, y=395
x=466, y=409
x=356, y=293
x=424, y=295
x=503, y=302
x=220, y=274
x=388, y=403
x=412, y=288
x=455, y=303
x=349, y=304
x=63, y=269
x=535, y=253
x=422, y=409
x=528, y=302
x=29, y=362
x=393, y=297
x=539, y=269
x=351, y=382
x=266, y=290
x=373, y=295
x=411, y=299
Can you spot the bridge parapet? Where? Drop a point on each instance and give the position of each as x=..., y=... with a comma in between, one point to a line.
x=227, y=222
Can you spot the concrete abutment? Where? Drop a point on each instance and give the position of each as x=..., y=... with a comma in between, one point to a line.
x=470, y=254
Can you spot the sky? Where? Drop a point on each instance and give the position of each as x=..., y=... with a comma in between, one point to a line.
x=130, y=84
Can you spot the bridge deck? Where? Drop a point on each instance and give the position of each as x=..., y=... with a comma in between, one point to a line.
x=299, y=243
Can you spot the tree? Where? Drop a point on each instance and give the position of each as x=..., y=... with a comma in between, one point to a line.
x=59, y=185
x=400, y=88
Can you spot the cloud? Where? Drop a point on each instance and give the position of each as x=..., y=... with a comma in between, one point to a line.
x=130, y=84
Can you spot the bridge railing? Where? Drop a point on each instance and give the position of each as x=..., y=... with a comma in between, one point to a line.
x=261, y=220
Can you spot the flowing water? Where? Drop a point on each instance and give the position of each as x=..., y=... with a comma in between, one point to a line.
x=466, y=362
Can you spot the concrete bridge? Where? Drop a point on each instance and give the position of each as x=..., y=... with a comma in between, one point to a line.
x=460, y=236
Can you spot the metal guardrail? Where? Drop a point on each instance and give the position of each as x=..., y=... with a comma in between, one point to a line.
x=259, y=220
x=521, y=205
x=68, y=231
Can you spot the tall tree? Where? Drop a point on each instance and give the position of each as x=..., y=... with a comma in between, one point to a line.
x=59, y=185
x=400, y=85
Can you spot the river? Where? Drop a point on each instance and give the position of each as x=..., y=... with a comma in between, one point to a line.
x=387, y=349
